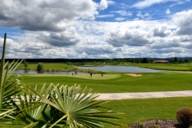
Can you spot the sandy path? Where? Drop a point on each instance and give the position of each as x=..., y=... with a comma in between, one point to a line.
x=143, y=95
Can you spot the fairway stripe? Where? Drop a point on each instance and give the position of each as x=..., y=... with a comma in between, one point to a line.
x=143, y=95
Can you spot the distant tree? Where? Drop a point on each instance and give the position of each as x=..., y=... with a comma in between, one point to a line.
x=175, y=60
x=144, y=60
x=40, y=68
x=25, y=66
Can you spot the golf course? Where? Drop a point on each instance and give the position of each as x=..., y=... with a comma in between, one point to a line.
x=130, y=110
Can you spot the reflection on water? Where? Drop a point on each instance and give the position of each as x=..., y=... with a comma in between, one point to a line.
x=121, y=69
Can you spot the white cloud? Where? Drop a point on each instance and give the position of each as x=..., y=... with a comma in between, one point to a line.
x=142, y=15
x=122, y=13
x=66, y=35
x=103, y=4
x=111, y=2
x=183, y=20
x=106, y=16
x=168, y=11
x=45, y=14
x=147, y=3
x=120, y=19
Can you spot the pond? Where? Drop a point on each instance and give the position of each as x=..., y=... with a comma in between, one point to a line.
x=120, y=69
x=107, y=68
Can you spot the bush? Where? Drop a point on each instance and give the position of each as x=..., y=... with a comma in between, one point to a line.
x=40, y=68
x=184, y=117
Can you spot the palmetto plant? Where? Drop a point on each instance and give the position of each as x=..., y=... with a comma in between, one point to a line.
x=8, y=84
x=62, y=106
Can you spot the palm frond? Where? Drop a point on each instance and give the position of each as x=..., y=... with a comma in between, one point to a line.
x=9, y=84
x=79, y=107
x=31, y=110
x=64, y=106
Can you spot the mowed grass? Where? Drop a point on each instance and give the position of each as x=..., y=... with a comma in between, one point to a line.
x=140, y=110
x=131, y=111
x=169, y=66
x=50, y=66
x=120, y=83
x=82, y=75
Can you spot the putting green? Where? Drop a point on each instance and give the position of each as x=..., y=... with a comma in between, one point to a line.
x=83, y=76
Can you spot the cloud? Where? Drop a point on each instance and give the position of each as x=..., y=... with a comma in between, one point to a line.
x=141, y=15
x=168, y=11
x=103, y=4
x=111, y=2
x=120, y=19
x=62, y=39
x=147, y=3
x=128, y=38
x=122, y=13
x=53, y=31
x=106, y=16
x=183, y=21
x=45, y=14
x=93, y=39
x=162, y=31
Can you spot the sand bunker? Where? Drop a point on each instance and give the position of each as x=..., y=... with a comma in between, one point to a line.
x=135, y=75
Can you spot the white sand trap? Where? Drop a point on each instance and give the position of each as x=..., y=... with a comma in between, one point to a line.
x=143, y=95
x=135, y=75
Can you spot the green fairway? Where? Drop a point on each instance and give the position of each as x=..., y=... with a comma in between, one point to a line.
x=83, y=76
x=119, y=83
x=173, y=67
x=139, y=110
x=49, y=66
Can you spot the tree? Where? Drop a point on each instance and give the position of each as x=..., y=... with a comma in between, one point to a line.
x=40, y=68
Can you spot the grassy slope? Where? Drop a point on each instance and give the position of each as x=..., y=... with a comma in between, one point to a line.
x=174, y=67
x=123, y=83
x=49, y=66
x=139, y=110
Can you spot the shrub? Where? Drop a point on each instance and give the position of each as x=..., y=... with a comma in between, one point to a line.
x=184, y=117
x=40, y=68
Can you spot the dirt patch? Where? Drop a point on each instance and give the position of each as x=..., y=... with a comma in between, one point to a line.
x=135, y=75
x=156, y=124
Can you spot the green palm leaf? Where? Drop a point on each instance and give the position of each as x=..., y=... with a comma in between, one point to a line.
x=78, y=108
x=8, y=83
x=63, y=106
x=31, y=110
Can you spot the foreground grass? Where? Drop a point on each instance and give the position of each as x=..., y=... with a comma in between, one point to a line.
x=119, y=83
x=139, y=110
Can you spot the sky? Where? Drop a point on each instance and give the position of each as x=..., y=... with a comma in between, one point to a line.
x=96, y=28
